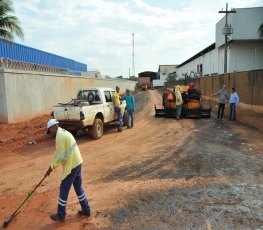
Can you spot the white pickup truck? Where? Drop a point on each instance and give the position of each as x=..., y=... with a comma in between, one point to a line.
x=90, y=111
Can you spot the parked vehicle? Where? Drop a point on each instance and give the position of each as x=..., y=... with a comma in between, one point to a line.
x=90, y=111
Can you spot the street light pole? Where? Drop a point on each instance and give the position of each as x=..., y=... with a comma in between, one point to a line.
x=227, y=30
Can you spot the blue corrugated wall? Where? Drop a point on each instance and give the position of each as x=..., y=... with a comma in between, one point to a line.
x=27, y=54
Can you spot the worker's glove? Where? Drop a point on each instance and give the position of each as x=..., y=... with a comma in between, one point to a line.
x=48, y=171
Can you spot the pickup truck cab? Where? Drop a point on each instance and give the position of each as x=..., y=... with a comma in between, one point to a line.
x=90, y=111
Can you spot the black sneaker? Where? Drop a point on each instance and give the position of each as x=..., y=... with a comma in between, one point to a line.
x=55, y=217
x=81, y=213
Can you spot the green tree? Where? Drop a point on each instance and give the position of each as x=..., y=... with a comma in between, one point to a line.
x=260, y=30
x=171, y=78
x=9, y=25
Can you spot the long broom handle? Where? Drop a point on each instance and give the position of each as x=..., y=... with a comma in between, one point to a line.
x=28, y=195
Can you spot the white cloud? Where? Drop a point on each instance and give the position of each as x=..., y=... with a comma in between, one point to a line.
x=98, y=33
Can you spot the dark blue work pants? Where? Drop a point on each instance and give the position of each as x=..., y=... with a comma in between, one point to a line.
x=73, y=178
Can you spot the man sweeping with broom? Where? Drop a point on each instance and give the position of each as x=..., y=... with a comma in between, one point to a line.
x=67, y=153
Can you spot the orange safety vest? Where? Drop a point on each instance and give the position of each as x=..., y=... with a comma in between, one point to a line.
x=170, y=97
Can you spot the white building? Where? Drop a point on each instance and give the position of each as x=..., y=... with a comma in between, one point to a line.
x=165, y=70
x=245, y=48
x=91, y=74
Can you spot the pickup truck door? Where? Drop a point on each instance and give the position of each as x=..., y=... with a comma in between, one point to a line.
x=108, y=107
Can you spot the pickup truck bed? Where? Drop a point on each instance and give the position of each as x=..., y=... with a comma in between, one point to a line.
x=90, y=111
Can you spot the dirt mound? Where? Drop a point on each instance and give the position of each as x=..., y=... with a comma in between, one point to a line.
x=16, y=135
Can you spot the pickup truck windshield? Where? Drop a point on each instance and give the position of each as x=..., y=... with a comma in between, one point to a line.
x=83, y=95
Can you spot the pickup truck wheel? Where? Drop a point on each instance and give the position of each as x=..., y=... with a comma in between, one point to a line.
x=97, y=129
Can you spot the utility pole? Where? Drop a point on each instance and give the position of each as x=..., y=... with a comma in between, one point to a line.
x=133, y=65
x=227, y=30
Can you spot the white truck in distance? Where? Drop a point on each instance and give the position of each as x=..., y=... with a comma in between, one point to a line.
x=90, y=111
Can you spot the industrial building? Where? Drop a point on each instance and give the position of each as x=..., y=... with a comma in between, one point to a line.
x=244, y=47
x=17, y=56
x=147, y=78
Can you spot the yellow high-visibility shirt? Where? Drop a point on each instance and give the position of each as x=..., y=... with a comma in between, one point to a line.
x=116, y=99
x=67, y=152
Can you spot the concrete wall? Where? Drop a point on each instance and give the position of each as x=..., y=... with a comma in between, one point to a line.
x=3, y=108
x=25, y=95
x=248, y=85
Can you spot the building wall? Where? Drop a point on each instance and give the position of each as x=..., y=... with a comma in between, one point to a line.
x=210, y=63
x=251, y=50
x=242, y=56
x=220, y=59
x=245, y=23
x=25, y=95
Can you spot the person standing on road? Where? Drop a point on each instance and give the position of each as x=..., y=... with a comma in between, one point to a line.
x=233, y=101
x=179, y=102
x=222, y=98
x=130, y=106
x=117, y=107
x=67, y=153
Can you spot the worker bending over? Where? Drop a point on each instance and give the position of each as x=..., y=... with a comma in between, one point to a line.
x=67, y=153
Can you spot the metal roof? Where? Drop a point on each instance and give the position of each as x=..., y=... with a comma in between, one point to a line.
x=23, y=53
x=204, y=51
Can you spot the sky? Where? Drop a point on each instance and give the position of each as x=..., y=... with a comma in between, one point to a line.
x=99, y=32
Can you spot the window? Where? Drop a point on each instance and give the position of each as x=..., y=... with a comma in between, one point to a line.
x=200, y=68
x=83, y=95
x=107, y=96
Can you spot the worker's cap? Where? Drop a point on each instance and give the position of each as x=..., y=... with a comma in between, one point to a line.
x=50, y=123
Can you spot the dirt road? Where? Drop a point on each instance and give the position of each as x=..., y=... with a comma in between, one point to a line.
x=162, y=174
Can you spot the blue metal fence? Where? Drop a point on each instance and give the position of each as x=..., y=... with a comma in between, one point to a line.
x=23, y=53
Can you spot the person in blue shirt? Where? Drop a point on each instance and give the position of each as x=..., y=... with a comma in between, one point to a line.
x=233, y=101
x=130, y=106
